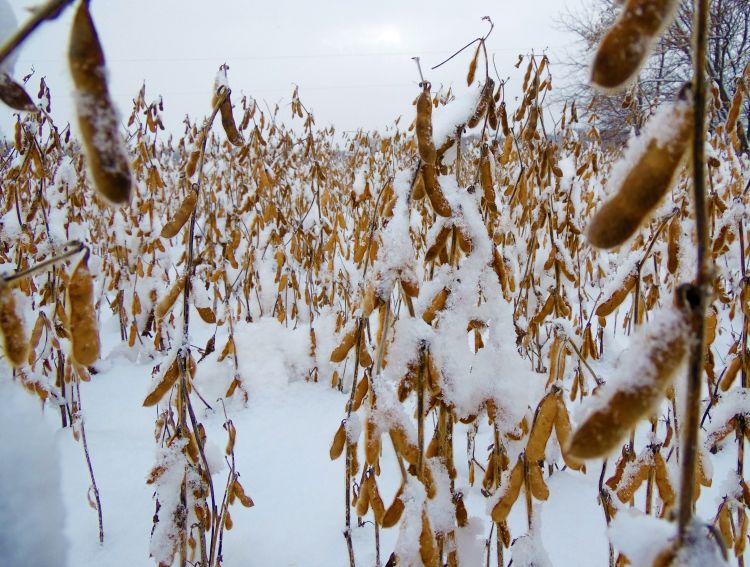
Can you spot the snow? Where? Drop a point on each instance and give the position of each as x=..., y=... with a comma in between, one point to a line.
x=640, y=537
x=8, y=25
x=32, y=510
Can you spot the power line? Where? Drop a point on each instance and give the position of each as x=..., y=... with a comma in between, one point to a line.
x=286, y=56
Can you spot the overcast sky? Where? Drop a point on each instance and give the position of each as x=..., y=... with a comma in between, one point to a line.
x=351, y=60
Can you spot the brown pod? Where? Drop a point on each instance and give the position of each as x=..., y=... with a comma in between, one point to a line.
x=662, y=481
x=408, y=451
x=662, y=348
x=641, y=189
x=482, y=104
x=440, y=239
x=410, y=287
x=418, y=192
x=741, y=542
x=168, y=301
x=563, y=430
x=372, y=443
x=673, y=245
x=437, y=304
x=363, y=499
x=14, y=95
x=227, y=121
x=434, y=192
x=393, y=513
x=633, y=482
x=618, y=296
x=163, y=386
x=346, y=344
x=739, y=95
x=181, y=216
x=427, y=547
x=485, y=178
x=359, y=395
x=97, y=118
x=84, y=330
x=339, y=440
x=731, y=372
x=539, y=489
x=15, y=345
x=192, y=163
x=725, y=525
x=628, y=42
x=541, y=428
x=425, y=145
x=502, y=508
x=376, y=502
x=473, y=66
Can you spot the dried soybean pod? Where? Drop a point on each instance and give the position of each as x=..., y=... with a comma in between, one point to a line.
x=425, y=144
x=628, y=42
x=376, y=502
x=483, y=103
x=372, y=442
x=181, y=216
x=437, y=304
x=363, y=499
x=538, y=487
x=418, y=192
x=440, y=240
x=427, y=548
x=673, y=245
x=339, y=440
x=622, y=403
x=618, y=296
x=485, y=178
x=725, y=525
x=662, y=481
x=731, y=372
x=239, y=492
x=395, y=510
x=410, y=287
x=167, y=302
x=365, y=360
x=360, y=393
x=227, y=120
x=490, y=473
x=14, y=95
x=346, y=344
x=641, y=189
x=541, y=428
x=741, y=542
x=354, y=462
x=192, y=163
x=434, y=193
x=84, y=330
x=473, y=66
x=734, y=109
x=711, y=322
x=563, y=430
x=502, y=508
x=408, y=451
x=504, y=120
x=164, y=385
x=97, y=118
x=15, y=345
x=633, y=481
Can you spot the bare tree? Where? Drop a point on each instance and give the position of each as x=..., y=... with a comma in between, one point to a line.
x=668, y=68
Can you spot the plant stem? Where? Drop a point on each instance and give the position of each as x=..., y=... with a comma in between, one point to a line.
x=49, y=11
x=697, y=297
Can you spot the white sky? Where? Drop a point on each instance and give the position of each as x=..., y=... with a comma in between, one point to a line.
x=352, y=60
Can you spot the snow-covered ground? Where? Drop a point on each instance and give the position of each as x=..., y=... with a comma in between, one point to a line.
x=283, y=437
